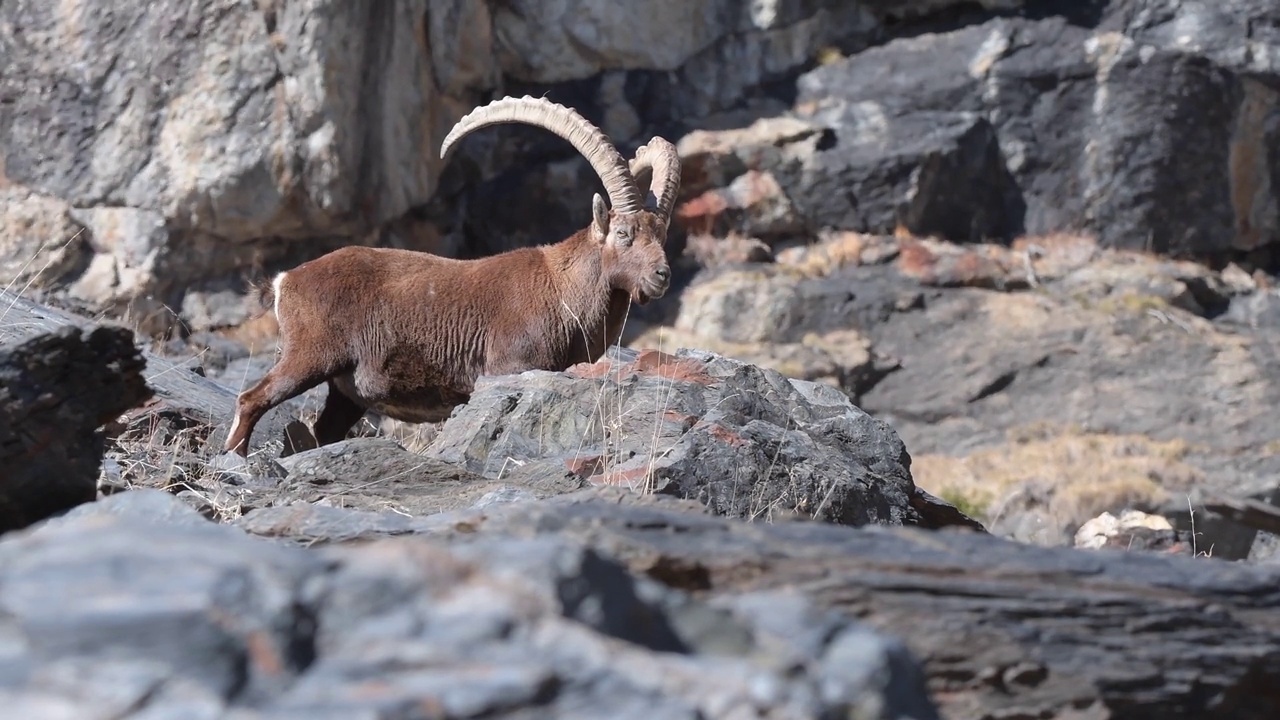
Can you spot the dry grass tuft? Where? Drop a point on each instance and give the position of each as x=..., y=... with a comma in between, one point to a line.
x=1070, y=474
x=170, y=452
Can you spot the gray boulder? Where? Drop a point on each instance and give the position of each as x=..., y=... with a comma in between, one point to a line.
x=745, y=441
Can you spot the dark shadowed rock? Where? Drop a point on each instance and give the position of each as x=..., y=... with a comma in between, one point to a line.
x=184, y=400
x=854, y=166
x=747, y=442
x=931, y=173
x=57, y=390
x=1029, y=79
x=202, y=620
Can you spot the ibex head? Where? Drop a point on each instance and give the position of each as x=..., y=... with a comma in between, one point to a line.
x=630, y=234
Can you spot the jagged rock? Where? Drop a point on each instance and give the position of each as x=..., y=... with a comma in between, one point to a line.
x=854, y=166
x=745, y=441
x=1103, y=128
x=140, y=505
x=708, y=251
x=1031, y=411
x=778, y=303
x=1255, y=310
x=753, y=203
x=56, y=392
x=1047, y=408
x=799, y=317
x=202, y=620
x=713, y=158
x=1133, y=530
x=944, y=265
x=1000, y=625
x=842, y=358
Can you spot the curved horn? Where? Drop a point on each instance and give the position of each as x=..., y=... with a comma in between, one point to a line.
x=587, y=139
x=660, y=157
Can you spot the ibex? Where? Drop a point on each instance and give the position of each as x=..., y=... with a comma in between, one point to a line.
x=406, y=333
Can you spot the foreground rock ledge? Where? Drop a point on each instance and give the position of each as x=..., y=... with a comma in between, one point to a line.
x=173, y=616
x=610, y=603
x=1003, y=629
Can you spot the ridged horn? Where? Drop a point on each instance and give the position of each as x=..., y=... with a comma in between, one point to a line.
x=586, y=138
x=659, y=157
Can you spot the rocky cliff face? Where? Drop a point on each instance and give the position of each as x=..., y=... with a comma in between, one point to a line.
x=192, y=142
x=156, y=153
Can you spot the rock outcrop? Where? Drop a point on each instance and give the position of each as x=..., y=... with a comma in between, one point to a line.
x=182, y=399
x=742, y=441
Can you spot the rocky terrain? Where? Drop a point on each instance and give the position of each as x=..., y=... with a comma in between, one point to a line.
x=959, y=285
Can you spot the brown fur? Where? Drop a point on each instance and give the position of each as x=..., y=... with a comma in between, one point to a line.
x=407, y=333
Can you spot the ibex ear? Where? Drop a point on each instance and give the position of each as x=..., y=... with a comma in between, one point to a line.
x=600, y=218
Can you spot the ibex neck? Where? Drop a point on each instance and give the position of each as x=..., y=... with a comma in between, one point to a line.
x=585, y=296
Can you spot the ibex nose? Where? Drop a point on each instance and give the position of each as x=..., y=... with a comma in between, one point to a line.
x=663, y=274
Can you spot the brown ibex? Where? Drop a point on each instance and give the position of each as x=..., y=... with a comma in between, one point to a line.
x=407, y=333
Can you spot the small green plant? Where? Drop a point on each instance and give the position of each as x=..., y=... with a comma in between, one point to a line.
x=974, y=504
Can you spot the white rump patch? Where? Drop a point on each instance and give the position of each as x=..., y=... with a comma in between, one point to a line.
x=275, y=290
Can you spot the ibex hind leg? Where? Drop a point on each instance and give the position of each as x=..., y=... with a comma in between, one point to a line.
x=291, y=376
x=339, y=415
